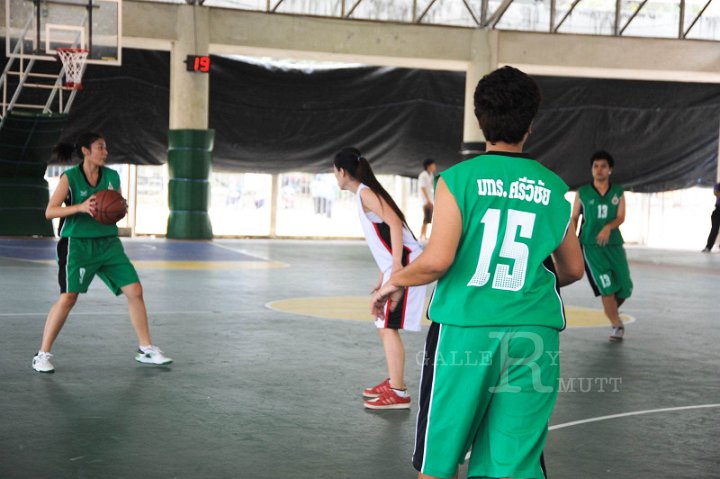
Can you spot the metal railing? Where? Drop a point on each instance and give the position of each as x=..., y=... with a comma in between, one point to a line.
x=682, y=19
x=24, y=72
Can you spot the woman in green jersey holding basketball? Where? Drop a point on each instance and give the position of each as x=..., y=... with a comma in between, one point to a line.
x=88, y=248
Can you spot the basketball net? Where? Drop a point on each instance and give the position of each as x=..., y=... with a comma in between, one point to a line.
x=73, y=59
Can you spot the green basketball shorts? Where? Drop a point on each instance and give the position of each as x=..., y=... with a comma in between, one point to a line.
x=80, y=259
x=607, y=270
x=491, y=389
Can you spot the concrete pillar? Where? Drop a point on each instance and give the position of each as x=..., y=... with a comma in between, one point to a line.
x=484, y=59
x=275, y=191
x=189, y=100
x=190, y=141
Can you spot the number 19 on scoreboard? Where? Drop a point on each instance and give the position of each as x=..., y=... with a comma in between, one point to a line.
x=198, y=63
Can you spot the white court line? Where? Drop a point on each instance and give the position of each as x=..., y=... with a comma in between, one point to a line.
x=626, y=414
x=46, y=262
x=242, y=252
x=142, y=245
x=9, y=246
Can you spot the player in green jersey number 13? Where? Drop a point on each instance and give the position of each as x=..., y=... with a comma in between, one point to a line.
x=602, y=206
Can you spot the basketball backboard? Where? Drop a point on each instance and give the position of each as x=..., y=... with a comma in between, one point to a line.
x=37, y=28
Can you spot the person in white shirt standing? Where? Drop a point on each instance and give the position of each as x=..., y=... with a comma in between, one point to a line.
x=426, y=187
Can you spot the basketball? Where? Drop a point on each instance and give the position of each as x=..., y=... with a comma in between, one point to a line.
x=110, y=207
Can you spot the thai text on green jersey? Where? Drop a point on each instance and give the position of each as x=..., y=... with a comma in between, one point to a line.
x=514, y=215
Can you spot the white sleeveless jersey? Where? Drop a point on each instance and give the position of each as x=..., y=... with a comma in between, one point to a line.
x=408, y=314
x=377, y=234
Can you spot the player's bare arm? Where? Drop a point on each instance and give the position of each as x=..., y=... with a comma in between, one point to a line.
x=568, y=259
x=378, y=285
x=56, y=210
x=440, y=251
x=576, y=210
x=377, y=205
x=438, y=255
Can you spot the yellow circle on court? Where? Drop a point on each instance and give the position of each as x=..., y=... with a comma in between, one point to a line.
x=357, y=308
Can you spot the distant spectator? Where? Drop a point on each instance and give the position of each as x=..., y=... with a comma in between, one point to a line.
x=426, y=187
x=329, y=193
x=316, y=187
x=715, y=221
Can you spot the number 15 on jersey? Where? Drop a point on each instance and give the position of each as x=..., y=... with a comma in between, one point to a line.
x=518, y=224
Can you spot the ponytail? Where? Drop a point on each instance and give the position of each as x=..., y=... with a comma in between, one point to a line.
x=63, y=152
x=352, y=161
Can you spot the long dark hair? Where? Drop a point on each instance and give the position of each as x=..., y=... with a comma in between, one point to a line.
x=63, y=152
x=352, y=161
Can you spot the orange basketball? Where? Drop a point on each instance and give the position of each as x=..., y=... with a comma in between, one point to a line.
x=110, y=207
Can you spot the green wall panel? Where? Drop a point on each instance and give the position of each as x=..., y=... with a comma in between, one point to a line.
x=26, y=144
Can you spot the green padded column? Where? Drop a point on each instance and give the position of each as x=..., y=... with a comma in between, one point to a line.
x=22, y=207
x=189, y=161
x=26, y=143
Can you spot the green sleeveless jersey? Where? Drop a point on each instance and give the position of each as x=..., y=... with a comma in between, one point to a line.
x=597, y=211
x=514, y=215
x=82, y=225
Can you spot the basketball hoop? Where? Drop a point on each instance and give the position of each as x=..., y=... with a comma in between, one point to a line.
x=73, y=59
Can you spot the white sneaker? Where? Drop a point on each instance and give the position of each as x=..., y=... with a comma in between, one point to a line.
x=41, y=363
x=617, y=333
x=151, y=355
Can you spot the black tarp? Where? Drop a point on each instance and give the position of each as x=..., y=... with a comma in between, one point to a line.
x=128, y=104
x=278, y=120
x=663, y=135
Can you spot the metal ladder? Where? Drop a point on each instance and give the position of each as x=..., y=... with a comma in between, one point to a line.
x=51, y=83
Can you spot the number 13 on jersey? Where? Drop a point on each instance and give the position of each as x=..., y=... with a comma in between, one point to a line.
x=602, y=211
x=518, y=224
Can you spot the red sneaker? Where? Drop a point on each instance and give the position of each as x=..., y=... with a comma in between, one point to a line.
x=388, y=400
x=376, y=391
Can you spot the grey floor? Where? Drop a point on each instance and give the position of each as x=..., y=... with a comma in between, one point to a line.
x=256, y=393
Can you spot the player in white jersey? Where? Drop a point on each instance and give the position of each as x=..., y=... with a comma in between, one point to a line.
x=393, y=246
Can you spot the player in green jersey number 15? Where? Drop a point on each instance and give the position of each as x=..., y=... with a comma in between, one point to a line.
x=500, y=249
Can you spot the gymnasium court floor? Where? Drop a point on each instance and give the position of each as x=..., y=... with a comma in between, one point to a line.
x=272, y=348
